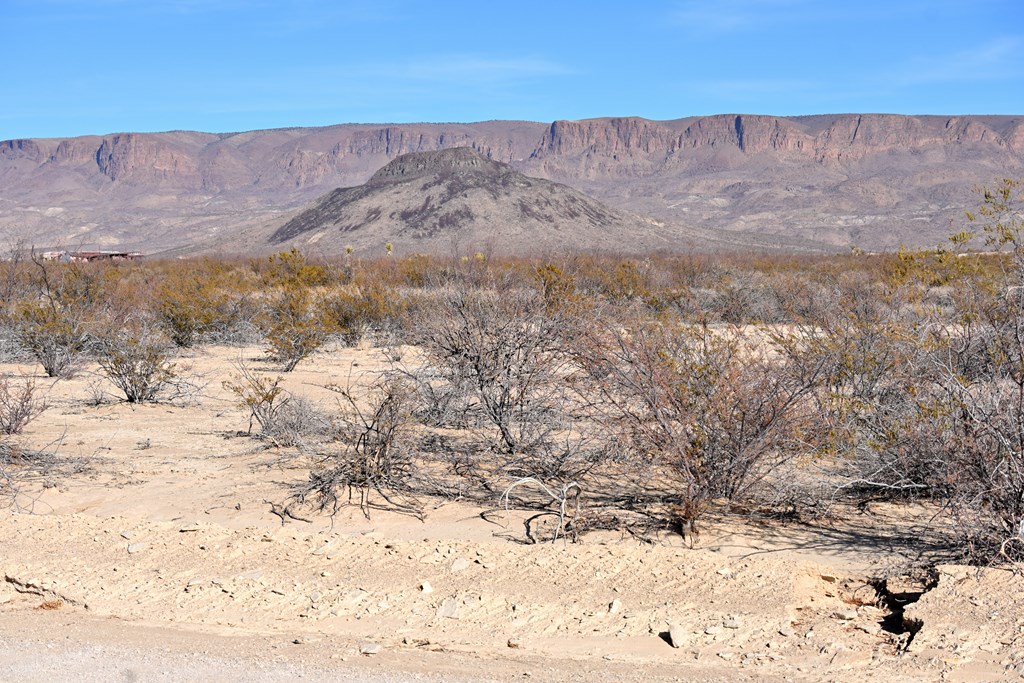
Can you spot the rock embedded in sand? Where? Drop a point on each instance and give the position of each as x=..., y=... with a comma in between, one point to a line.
x=425, y=587
x=136, y=547
x=459, y=565
x=732, y=622
x=449, y=609
x=677, y=635
x=370, y=649
x=615, y=606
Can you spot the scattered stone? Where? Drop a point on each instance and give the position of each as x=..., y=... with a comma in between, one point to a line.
x=725, y=571
x=370, y=649
x=732, y=622
x=127, y=535
x=713, y=630
x=459, y=565
x=136, y=547
x=614, y=606
x=449, y=609
x=786, y=631
x=315, y=596
x=677, y=635
x=426, y=588
x=514, y=643
x=194, y=526
x=845, y=614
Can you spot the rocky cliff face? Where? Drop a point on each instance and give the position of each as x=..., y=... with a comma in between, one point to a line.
x=873, y=179
x=141, y=157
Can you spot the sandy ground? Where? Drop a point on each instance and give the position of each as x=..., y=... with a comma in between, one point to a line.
x=150, y=552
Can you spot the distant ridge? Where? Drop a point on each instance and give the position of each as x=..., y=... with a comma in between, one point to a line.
x=823, y=181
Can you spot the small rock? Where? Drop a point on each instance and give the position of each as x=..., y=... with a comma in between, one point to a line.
x=732, y=622
x=786, y=631
x=194, y=526
x=845, y=614
x=514, y=643
x=614, y=606
x=677, y=635
x=713, y=630
x=370, y=649
x=136, y=547
x=725, y=571
x=449, y=609
x=127, y=535
x=315, y=596
x=459, y=565
x=425, y=587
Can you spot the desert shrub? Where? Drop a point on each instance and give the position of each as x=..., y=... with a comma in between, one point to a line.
x=284, y=418
x=295, y=326
x=373, y=453
x=19, y=404
x=500, y=358
x=54, y=320
x=718, y=411
x=294, y=320
x=199, y=301
x=261, y=395
x=985, y=407
x=137, y=362
x=360, y=307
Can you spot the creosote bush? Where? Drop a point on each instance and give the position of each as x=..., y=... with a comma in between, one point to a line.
x=19, y=404
x=137, y=363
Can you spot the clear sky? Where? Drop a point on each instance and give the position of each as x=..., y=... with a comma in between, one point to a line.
x=74, y=67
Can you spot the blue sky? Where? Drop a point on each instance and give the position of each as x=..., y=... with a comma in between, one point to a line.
x=74, y=67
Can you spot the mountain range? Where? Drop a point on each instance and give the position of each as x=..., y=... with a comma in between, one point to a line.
x=818, y=183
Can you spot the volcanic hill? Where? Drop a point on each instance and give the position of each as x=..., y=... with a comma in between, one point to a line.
x=455, y=199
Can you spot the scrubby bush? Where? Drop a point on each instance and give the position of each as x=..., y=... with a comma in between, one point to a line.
x=295, y=320
x=717, y=410
x=373, y=453
x=509, y=351
x=54, y=321
x=19, y=404
x=136, y=361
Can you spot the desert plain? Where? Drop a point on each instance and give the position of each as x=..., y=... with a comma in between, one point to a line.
x=149, y=544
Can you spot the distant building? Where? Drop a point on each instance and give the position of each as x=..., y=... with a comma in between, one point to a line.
x=72, y=256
